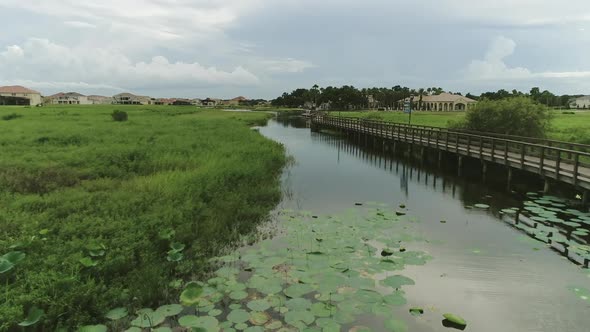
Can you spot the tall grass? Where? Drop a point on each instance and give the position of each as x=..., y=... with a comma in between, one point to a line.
x=71, y=177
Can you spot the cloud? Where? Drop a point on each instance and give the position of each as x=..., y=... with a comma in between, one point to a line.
x=288, y=65
x=38, y=59
x=80, y=25
x=493, y=66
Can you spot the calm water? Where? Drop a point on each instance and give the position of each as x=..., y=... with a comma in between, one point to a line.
x=484, y=270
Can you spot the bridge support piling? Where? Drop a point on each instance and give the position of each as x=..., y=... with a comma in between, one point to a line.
x=509, y=181
x=439, y=158
x=484, y=170
x=459, y=165
x=546, y=186
x=585, y=197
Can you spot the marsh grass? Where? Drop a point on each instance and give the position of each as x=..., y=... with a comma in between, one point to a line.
x=71, y=179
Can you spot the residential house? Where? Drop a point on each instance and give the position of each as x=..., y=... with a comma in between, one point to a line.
x=100, y=100
x=211, y=102
x=68, y=98
x=19, y=95
x=581, y=102
x=131, y=99
x=235, y=102
x=442, y=103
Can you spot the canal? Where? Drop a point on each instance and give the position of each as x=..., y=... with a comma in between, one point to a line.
x=490, y=273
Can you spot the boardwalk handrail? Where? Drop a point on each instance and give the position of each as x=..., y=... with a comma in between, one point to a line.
x=561, y=163
x=541, y=141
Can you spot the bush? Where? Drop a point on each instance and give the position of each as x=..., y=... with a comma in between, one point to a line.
x=374, y=116
x=119, y=116
x=11, y=117
x=567, y=112
x=513, y=116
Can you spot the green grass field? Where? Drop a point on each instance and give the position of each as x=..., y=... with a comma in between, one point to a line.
x=564, y=127
x=96, y=205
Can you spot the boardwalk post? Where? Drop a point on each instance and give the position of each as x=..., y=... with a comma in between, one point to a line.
x=439, y=158
x=484, y=170
x=509, y=182
x=459, y=165
x=546, y=186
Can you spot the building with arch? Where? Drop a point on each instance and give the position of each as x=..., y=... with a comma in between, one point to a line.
x=444, y=102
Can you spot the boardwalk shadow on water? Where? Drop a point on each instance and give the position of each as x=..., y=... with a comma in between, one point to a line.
x=495, y=274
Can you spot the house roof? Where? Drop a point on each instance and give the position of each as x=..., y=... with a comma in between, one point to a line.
x=98, y=97
x=17, y=89
x=67, y=94
x=444, y=97
x=240, y=98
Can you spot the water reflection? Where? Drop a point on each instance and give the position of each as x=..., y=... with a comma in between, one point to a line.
x=483, y=269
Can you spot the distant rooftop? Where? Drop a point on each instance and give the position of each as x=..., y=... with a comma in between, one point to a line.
x=16, y=89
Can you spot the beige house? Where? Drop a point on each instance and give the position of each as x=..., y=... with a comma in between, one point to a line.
x=69, y=98
x=445, y=102
x=581, y=102
x=131, y=99
x=19, y=95
x=100, y=100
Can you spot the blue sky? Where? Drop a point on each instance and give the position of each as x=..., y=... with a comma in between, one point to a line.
x=260, y=48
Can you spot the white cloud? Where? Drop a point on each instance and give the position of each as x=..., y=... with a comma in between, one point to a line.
x=80, y=25
x=108, y=68
x=287, y=65
x=493, y=66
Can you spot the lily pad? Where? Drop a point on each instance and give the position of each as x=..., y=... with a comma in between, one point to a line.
x=238, y=316
x=93, y=328
x=258, y=305
x=148, y=318
x=416, y=311
x=170, y=310
x=482, y=206
x=5, y=265
x=395, y=325
x=14, y=257
x=191, y=294
x=455, y=319
x=33, y=317
x=397, y=281
x=117, y=314
x=259, y=318
x=298, y=290
x=88, y=262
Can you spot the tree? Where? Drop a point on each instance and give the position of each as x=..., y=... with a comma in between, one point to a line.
x=512, y=116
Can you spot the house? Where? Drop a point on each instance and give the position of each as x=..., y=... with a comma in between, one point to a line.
x=196, y=102
x=131, y=99
x=211, y=102
x=236, y=101
x=68, y=98
x=19, y=95
x=581, y=102
x=100, y=100
x=444, y=102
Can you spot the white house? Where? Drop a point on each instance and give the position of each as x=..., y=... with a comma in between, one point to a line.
x=19, y=95
x=131, y=99
x=100, y=100
x=69, y=98
x=581, y=102
x=442, y=102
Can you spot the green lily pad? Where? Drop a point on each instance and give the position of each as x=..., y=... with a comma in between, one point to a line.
x=162, y=329
x=191, y=294
x=177, y=246
x=482, y=206
x=295, y=318
x=416, y=311
x=117, y=313
x=395, y=325
x=298, y=290
x=259, y=318
x=88, y=262
x=238, y=316
x=298, y=304
x=238, y=295
x=258, y=305
x=5, y=265
x=397, y=281
x=148, y=318
x=93, y=328
x=33, y=317
x=170, y=310
x=14, y=257
x=174, y=256
x=455, y=319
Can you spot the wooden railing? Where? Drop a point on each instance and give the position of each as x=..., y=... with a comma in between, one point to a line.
x=552, y=159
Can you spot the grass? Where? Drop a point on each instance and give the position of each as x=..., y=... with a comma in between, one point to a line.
x=78, y=189
x=564, y=127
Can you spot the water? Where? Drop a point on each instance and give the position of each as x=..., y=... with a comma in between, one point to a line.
x=489, y=273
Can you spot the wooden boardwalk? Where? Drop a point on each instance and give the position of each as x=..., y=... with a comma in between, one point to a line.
x=561, y=161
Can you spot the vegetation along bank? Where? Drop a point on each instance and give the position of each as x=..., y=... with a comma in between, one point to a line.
x=97, y=213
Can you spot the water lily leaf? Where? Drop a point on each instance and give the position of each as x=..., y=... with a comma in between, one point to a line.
x=320, y=309
x=482, y=206
x=14, y=257
x=238, y=295
x=215, y=312
x=93, y=328
x=298, y=304
x=177, y=246
x=396, y=298
x=258, y=305
x=188, y=321
x=117, y=313
x=298, y=317
x=238, y=316
x=88, y=262
x=395, y=325
x=273, y=325
x=167, y=234
x=170, y=310
x=191, y=294
x=397, y=281
x=328, y=325
x=162, y=329
x=174, y=256
x=241, y=326
x=133, y=329
x=5, y=265
x=416, y=311
x=33, y=317
x=148, y=318
x=298, y=290
x=455, y=319
x=259, y=318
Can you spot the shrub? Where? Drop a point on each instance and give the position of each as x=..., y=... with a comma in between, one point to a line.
x=374, y=116
x=12, y=116
x=568, y=112
x=513, y=116
x=119, y=116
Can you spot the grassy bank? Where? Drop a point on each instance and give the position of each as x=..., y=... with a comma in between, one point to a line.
x=96, y=205
x=564, y=127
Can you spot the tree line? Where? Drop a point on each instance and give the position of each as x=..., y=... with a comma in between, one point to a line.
x=349, y=97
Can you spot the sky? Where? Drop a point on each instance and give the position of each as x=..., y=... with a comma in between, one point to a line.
x=261, y=48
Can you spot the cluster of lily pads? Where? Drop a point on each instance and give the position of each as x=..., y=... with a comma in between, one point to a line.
x=175, y=254
x=9, y=260
x=95, y=252
x=322, y=276
x=548, y=219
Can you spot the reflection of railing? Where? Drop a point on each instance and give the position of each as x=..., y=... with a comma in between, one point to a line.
x=549, y=159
